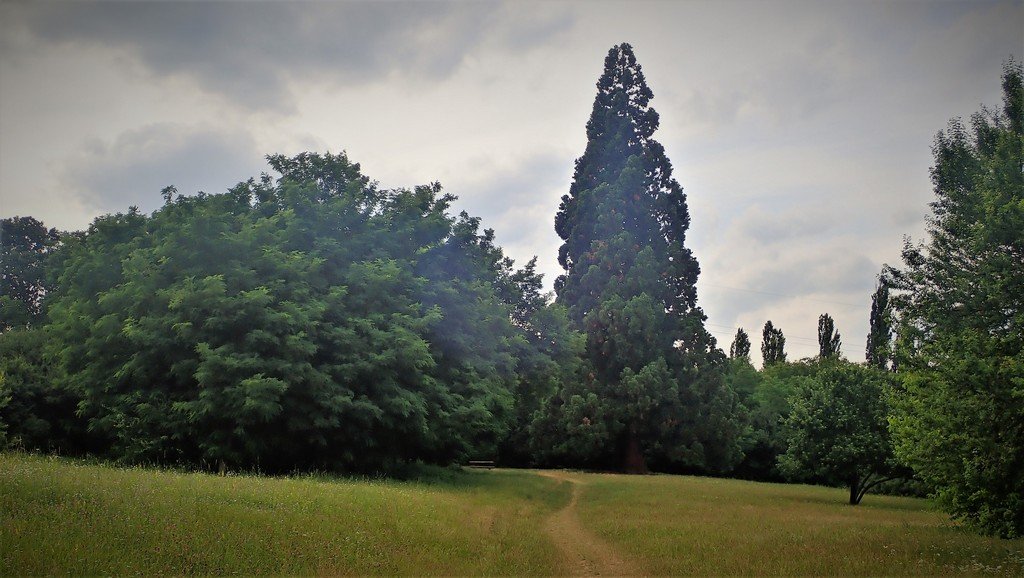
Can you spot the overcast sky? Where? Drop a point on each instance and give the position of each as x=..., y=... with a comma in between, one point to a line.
x=801, y=132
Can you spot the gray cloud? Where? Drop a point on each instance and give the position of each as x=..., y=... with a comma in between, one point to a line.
x=828, y=268
x=505, y=199
x=518, y=200
x=253, y=52
x=801, y=132
x=767, y=227
x=789, y=264
x=528, y=30
x=132, y=169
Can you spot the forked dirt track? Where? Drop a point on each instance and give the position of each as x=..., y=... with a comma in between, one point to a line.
x=585, y=554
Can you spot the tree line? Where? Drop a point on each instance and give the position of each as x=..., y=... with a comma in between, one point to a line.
x=312, y=320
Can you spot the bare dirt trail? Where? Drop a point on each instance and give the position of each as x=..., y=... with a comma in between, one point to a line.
x=585, y=553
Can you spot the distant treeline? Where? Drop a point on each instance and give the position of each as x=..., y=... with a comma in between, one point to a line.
x=313, y=321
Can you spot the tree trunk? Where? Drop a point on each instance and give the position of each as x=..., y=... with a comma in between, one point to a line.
x=855, y=490
x=634, y=462
x=865, y=486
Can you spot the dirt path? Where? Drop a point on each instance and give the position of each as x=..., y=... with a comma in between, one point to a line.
x=585, y=554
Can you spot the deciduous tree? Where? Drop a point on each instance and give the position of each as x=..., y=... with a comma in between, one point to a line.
x=36, y=411
x=959, y=297
x=837, y=429
x=829, y=341
x=24, y=245
x=740, y=348
x=311, y=321
x=773, y=345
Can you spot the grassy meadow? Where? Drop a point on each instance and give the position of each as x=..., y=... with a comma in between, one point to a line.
x=58, y=516
x=682, y=525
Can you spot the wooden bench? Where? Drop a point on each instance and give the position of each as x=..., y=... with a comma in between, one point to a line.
x=482, y=464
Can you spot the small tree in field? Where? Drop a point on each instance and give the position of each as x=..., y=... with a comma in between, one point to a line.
x=837, y=429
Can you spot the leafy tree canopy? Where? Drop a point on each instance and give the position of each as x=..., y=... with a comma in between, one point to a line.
x=959, y=297
x=24, y=245
x=36, y=413
x=837, y=430
x=313, y=320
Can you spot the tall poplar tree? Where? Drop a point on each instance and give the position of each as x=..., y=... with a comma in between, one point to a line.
x=629, y=286
x=829, y=341
x=740, y=347
x=879, y=348
x=773, y=345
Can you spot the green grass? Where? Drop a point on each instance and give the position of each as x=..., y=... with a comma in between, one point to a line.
x=58, y=517
x=681, y=525
x=63, y=517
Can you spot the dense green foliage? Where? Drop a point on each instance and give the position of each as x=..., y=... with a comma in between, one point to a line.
x=654, y=388
x=959, y=419
x=36, y=412
x=311, y=321
x=767, y=398
x=24, y=245
x=549, y=356
x=837, y=431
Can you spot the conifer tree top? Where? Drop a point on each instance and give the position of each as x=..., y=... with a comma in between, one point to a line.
x=623, y=185
x=622, y=88
x=621, y=123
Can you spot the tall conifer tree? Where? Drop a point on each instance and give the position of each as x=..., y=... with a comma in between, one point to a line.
x=629, y=284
